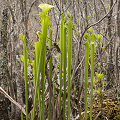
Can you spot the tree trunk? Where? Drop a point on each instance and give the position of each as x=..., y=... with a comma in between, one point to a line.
x=118, y=43
x=110, y=69
x=3, y=66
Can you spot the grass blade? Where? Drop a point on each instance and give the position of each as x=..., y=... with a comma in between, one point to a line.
x=64, y=69
x=86, y=73
x=61, y=59
x=69, y=59
x=92, y=72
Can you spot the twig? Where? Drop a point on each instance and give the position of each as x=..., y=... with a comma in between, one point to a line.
x=68, y=6
x=30, y=9
x=57, y=22
x=75, y=70
x=57, y=5
x=13, y=101
x=97, y=115
x=103, y=6
x=11, y=11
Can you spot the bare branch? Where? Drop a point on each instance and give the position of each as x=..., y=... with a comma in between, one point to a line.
x=13, y=101
x=103, y=6
x=30, y=9
x=98, y=20
x=11, y=11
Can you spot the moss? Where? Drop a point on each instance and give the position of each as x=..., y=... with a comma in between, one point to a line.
x=110, y=107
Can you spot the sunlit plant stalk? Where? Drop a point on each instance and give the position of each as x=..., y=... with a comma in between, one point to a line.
x=43, y=80
x=25, y=73
x=42, y=57
x=21, y=114
x=61, y=59
x=37, y=46
x=86, y=70
x=69, y=59
x=64, y=66
x=50, y=67
x=54, y=87
x=92, y=71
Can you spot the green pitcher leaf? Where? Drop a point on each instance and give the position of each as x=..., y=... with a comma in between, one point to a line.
x=22, y=37
x=39, y=35
x=45, y=7
x=93, y=38
x=65, y=19
x=86, y=35
x=68, y=14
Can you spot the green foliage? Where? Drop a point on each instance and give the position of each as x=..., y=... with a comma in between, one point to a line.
x=99, y=80
x=99, y=36
x=69, y=59
x=108, y=7
x=104, y=82
x=113, y=31
x=50, y=69
x=21, y=114
x=86, y=35
x=77, y=32
x=77, y=20
x=96, y=81
x=103, y=47
x=92, y=68
x=86, y=70
x=64, y=65
x=22, y=59
x=98, y=64
x=22, y=37
x=91, y=36
x=99, y=76
x=90, y=30
x=68, y=14
x=25, y=72
x=61, y=59
x=88, y=17
x=75, y=25
x=74, y=89
x=100, y=92
x=40, y=60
